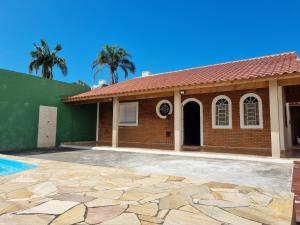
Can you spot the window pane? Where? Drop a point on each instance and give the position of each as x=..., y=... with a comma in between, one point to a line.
x=222, y=113
x=128, y=113
x=251, y=112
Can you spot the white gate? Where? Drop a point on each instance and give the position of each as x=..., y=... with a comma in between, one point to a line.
x=47, y=127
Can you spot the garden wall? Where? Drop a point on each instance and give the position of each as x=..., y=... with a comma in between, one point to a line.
x=20, y=98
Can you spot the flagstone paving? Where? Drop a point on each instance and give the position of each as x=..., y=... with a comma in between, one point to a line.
x=59, y=193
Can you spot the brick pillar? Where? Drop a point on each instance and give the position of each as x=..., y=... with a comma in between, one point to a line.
x=115, y=122
x=274, y=118
x=177, y=121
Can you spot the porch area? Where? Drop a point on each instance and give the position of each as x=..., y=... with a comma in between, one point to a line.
x=278, y=136
x=134, y=122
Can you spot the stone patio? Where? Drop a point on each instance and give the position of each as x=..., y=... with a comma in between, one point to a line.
x=63, y=193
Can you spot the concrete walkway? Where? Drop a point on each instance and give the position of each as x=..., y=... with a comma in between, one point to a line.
x=267, y=175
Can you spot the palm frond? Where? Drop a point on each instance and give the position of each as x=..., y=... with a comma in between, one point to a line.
x=38, y=48
x=34, y=65
x=42, y=57
x=94, y=64
x=128, y=64
x=124, y=70
x=45, y=47
x=62, y=65
x=56, y=49
x=99, y=69
x=114, y=57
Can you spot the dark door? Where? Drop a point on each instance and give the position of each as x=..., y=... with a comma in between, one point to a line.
x=191, y=124
x=295, y=123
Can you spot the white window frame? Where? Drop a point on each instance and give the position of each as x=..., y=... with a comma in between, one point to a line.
x=213, y=106
x=260, y=111
x=136, y=104
x=158, y=106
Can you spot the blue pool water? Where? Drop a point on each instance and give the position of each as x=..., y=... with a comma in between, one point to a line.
x=8, y=166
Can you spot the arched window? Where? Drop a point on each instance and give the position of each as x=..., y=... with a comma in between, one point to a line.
x=221, y=112
x=251, y=111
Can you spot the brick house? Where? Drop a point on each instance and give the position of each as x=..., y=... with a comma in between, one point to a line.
x=249, y=106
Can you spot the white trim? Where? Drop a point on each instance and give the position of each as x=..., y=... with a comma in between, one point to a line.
x=158, y=106
x=115, y=122
x=97, y=123
x=201, y=118
x=213, y=110
x=281, y=104
x=136, y=104
x=260, y=111
x=289, y=127
x=177, y=121
x=274, y=118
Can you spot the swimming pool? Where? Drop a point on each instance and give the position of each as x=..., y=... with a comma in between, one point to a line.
x=8, y=166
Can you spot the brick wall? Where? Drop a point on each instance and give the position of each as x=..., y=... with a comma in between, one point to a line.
x=235, y=138
x=152, y=131
x=105, y=123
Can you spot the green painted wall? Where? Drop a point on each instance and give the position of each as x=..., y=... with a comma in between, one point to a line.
x=20, y=98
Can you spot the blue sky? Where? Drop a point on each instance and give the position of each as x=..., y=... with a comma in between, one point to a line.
x=161, y=35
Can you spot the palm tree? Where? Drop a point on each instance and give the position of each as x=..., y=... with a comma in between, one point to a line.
x=42, y=56
x=115, y=58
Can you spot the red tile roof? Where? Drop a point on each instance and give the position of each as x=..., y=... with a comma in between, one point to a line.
x=261, y=67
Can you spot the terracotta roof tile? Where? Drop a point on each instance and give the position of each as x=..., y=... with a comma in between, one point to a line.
x=267, y=66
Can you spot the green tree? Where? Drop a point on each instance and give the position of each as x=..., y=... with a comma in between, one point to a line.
x=43, y=57
x=115, y=58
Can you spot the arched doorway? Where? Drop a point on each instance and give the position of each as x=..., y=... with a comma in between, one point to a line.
x=192, y=122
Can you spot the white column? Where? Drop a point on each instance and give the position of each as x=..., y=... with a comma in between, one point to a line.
x=274, y=118
x=177, y=121
x=288, y=129
x=97, y=123
x=115, y=122
x=281, y=109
